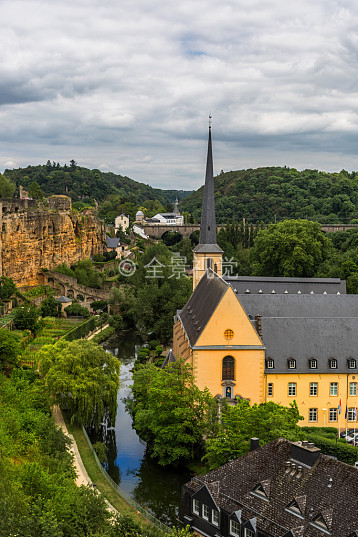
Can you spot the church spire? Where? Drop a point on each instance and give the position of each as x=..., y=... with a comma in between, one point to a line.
x=207, y=254
x=208, y=221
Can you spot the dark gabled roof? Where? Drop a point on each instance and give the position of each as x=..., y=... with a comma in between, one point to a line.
x=280, y=285
x=169, y=359
x=300, y=305
x=329, y=486
x=63, y=299
x=112, y=243
x=202, y=304
x=305, y=338
x=306, y=326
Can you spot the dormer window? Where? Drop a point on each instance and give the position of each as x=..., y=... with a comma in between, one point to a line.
x=333, y=363
x=270, y=363
x=352, y=364
x=196, y=507
x=319, y=523
x=313, y=363
x=292, y=363
x=294, y=509
x=259, y=491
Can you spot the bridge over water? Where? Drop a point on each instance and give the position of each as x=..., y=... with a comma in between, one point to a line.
x=157, y=231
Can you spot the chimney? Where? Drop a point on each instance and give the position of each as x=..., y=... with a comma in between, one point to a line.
x=304, y=453
x=254, y=444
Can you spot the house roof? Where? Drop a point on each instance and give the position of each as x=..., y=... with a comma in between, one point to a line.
x=202, y=304
x=63, y=299
x=112, y=243
x=327, y=489
x=280, y=285
x=306, y=338
x=306, y=326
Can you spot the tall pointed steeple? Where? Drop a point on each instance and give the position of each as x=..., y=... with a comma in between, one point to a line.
x=207, y=254
x=208, y=222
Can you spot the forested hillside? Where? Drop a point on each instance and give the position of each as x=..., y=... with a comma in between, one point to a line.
x=264, y=194
x=80, y=183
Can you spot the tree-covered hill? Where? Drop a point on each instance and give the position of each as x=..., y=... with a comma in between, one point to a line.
x=264, y=194
x=80, y=183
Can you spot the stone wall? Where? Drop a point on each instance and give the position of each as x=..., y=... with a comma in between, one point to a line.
x=35, y=237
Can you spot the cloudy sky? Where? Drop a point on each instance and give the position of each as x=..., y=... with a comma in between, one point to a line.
x=127, y=85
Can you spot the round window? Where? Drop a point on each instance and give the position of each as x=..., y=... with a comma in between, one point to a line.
x=228, y=334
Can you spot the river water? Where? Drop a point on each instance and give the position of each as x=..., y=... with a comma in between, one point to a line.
x=152, y=486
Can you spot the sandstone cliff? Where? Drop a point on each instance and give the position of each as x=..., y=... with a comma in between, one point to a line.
x=35, y=236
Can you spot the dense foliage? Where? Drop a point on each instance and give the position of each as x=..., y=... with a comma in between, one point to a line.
x=238, y=424
x=290, y=248
x=27, y=318
x=7, y=187
x=84, y=272
x=10, y=348
x=38, y=495
x=80, y=183
x=274, y=193
x=171, y=413
x=83, y=377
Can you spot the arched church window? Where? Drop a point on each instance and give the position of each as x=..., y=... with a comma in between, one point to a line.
x=228, y=371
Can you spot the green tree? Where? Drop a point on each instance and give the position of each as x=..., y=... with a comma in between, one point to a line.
x=27, y=318
x=290, y=248
x=7, y=187
x=50, y=307
x=171, y=413
x=160, y=291
x=35, y=191
x=9, y=348
x=266, y=421
x=83, y=377
x=76, y=310
x=7, y=287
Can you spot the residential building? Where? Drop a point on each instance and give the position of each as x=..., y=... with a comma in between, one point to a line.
x=282, y=489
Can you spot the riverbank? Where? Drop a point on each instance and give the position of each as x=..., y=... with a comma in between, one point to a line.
x=95, y=475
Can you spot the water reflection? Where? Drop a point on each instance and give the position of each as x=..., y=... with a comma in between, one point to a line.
x=152, y=486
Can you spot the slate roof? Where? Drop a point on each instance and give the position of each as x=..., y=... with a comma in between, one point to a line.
x=306, y=326
x=112, y=243
x=169, y=359
x=202, y=304
x=300, y=305
x=266, y=285
x=328, y=489
x=302, y=339
x=63, y=299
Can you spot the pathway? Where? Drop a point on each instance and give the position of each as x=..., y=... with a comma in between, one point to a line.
x=82, y=476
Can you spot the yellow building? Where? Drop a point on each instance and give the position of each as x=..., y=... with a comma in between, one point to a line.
x=269, y=339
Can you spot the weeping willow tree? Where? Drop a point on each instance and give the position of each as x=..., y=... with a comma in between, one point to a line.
x=83, y=378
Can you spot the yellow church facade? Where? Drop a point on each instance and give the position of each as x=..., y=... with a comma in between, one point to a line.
x=269, y=339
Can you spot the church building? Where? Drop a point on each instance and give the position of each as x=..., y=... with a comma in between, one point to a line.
x=269, y=339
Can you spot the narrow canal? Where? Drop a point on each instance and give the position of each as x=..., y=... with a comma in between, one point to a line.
x=152, y=486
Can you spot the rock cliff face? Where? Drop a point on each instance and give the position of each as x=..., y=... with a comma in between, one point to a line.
x=35, y=237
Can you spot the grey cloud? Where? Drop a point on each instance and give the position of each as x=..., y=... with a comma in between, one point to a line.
x=130, y=84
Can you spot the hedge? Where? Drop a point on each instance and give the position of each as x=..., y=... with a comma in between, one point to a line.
x=81, y=330
x=343, y=451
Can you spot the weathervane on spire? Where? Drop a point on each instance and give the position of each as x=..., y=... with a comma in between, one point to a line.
x=210, y=121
